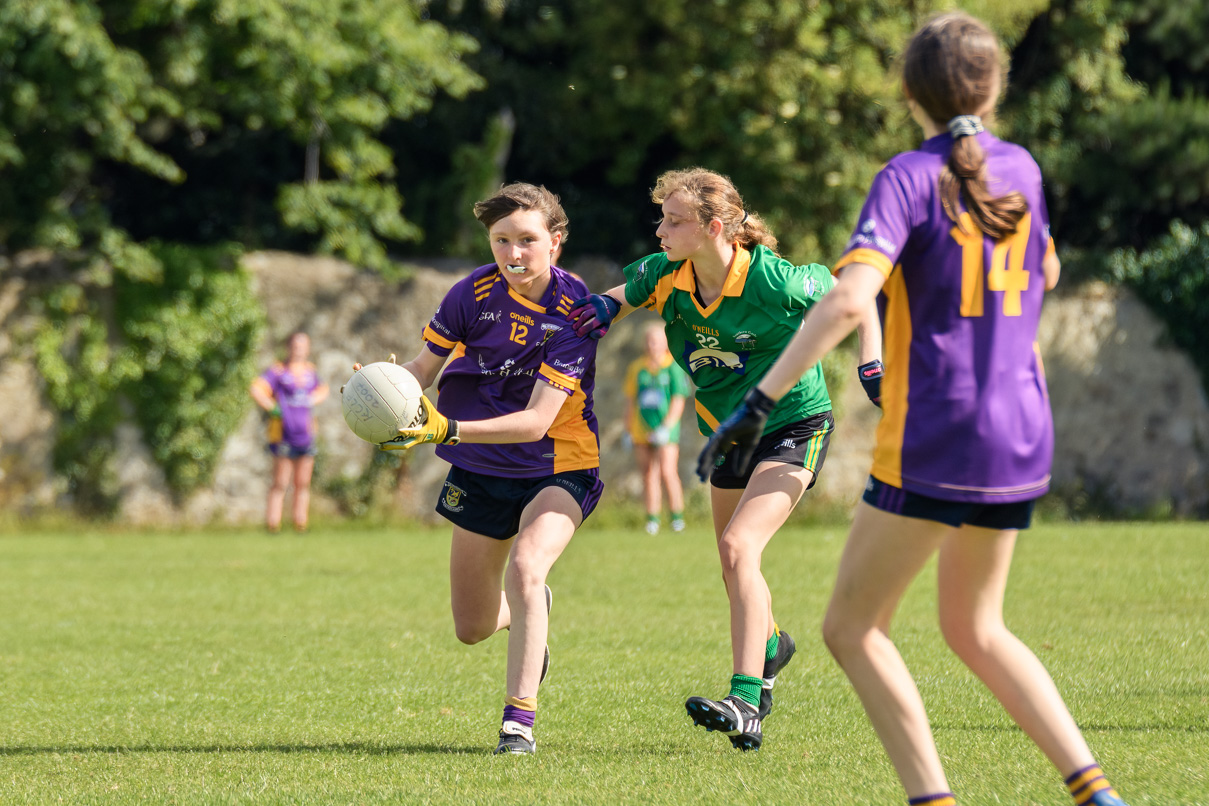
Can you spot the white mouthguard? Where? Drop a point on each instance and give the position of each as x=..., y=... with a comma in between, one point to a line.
x=516, y=269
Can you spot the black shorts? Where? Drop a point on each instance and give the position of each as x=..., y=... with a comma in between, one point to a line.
x=803, y=444
x=492, y=505
x=891, y=499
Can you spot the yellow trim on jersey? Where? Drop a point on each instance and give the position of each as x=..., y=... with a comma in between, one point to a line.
x=870, y=257
x=458, y=352
x=437, y=339
x=704, y=414
x=575, y=446
x=888, y=455
x=732, y=286
x=533, y=306
x=482, y=288
x=1049, y=248
x=656, y=301
x=631, y=377
x=556, y=378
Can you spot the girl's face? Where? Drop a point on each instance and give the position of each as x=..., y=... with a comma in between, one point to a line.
x=523, y=247
x=300, y=347
x=656, y=343
x=680, y=233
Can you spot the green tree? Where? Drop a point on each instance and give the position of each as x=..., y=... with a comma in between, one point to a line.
x=797, y=102
x=128, y=123
x=95, y=90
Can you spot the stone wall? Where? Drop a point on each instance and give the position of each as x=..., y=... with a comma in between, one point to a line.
x=1131, y=416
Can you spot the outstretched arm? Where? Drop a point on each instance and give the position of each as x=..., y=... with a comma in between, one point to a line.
x=592, y=315
x=825, y=326
x=835, y=316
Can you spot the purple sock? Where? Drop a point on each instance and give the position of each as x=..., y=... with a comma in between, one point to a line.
x=520, y=715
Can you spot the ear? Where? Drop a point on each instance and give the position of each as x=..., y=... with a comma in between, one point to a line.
x=714, y=228
x=556, y=239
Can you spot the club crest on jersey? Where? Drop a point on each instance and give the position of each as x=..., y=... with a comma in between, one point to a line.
x=641, y=270
x=698, y=358
x=745, y=338
x=452, y=499
x=549, y=330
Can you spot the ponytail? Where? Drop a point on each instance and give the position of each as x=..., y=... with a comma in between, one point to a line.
x=752, y=232
x=952, y=67
x=964, y=177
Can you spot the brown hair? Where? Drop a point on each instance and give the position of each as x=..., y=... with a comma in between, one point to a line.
x=523, y=196
x=952, y=66
x=713, y=195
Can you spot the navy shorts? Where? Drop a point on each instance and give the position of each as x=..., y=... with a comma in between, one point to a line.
x=803, y=444
x=284, y=450
x=896, y=501
x=492, y=505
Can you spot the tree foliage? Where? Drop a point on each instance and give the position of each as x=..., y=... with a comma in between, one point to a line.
x=98, y=92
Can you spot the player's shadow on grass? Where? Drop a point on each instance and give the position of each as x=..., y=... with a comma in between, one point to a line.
x=1084, y=727
x=352, y=748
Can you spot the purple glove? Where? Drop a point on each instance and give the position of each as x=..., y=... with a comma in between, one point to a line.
x=592, y=315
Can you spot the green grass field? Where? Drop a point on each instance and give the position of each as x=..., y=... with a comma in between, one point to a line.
x=234, y=667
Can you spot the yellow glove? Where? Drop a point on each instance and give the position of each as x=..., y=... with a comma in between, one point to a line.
x=437, y=428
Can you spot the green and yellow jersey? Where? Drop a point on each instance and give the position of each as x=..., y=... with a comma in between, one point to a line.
x=728, y=346
x=652, y=391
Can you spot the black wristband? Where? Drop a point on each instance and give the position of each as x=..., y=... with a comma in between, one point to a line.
x=451, y=435
x=759, y=402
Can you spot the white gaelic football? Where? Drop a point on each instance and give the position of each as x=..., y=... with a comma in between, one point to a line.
x=380, y=399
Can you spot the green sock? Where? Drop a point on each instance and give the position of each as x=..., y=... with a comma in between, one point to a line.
x=677, y=516
x=652, y=518
x=746, y=688
x=770, y=648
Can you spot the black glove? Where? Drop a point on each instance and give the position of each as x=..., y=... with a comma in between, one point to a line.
x=871, y=379
x=742, y=429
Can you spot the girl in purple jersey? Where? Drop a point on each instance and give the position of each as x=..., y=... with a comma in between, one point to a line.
x=288, y=391
x=956, y=236
x=515, y=422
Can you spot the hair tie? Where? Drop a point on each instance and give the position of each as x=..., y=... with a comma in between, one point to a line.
x=965, y=126
x=744, y=219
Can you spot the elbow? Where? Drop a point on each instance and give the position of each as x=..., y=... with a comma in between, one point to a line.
x=850, y=310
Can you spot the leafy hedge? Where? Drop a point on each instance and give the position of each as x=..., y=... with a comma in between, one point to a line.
x=166, y=334
x=1172, y=278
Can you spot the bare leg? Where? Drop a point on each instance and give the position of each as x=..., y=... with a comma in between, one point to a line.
x=771, y=494
x=281, y=480
x=304, y=466
x=669, y=461
x=652, y=495
x=883, y=554
x=476, y=569
x=973, y=574
x=547, y=526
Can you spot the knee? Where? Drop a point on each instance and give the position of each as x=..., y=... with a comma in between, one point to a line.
x=734, y=556
x=843, y=636
x=471, y=633
x=970, y=638
x=524, y=573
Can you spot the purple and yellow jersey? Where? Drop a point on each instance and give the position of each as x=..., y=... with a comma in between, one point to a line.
x=292, y=391
x=966, y=413
x=502, y=345
x=728, y=346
